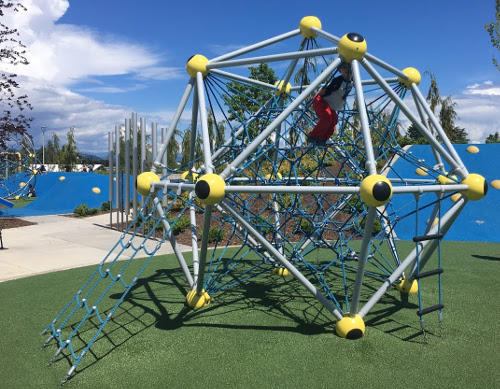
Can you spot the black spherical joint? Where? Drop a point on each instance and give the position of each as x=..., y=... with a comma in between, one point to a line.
x=354, y=37
x=382, y=191
x=202, y=189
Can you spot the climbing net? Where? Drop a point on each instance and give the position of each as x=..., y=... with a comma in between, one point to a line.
x=267, y=200
x=16, y=167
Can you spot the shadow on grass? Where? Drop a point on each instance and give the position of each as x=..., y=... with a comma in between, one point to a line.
x=487, y=257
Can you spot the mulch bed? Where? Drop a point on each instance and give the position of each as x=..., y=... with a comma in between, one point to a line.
x=13, y=222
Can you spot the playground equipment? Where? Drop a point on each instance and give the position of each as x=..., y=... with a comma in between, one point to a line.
x=17, y=170
x=326, y=214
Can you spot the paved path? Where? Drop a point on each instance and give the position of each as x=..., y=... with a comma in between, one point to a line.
x=58, y=243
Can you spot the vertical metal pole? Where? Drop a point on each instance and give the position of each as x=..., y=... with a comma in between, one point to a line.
x=110, y=163
x=207, y=152
x=127, y=170
x=143, y=152
x=134, y=161
x=118, y=178
x=363, y=118
x=194, y=125
x=143, y=145
x=164, y=200
x=363, y=257
x=154, y=139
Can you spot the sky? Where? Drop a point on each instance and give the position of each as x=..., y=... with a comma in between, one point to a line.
x=94, y=62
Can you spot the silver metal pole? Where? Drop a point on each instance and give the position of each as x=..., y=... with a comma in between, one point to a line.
x=272, y=58
x=363, y=257
x=154, y=139
x=207, y=217
x=134, y=161
x=127, y=170
x=256, y=46
x=243, y=79
x=363, y=117
x=207, y=152
x=143, y=145
x=118, y=179
x=291, y=107
x=194, y=125
x=110, y=163
x=194, y=240
x=43, y=144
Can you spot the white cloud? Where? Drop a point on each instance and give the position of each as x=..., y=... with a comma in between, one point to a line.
x=63, y=55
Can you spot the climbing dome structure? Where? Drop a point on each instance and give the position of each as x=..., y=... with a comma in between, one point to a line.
x=259, y=198
x=17, y=169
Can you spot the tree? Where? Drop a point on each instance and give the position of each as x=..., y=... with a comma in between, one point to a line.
x=245, y=100
x=172, y=150
x=12, y=52
x=493, y=30
x=69, y=152
x=447, y=117
x=433, y=98
x=216, y=131
x=186, y=148
x=493, y=138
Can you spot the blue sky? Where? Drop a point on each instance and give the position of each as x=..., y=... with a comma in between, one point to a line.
x=94, y=62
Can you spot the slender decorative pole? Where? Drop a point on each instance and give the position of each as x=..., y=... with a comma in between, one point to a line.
x=43, y=144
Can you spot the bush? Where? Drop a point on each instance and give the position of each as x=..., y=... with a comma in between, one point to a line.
x=214, y=234
x=181, y=224
x=106, y=206
x=83, y=210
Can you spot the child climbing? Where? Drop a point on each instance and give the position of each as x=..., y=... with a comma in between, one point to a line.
x=327, y=102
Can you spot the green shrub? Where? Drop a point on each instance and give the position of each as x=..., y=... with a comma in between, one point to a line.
x=214, y=234
x=302, y=225
x=83, y=210
x=181, y=224
x=106, y=206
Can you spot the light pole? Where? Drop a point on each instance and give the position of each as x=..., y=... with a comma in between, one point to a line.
x=43, y=145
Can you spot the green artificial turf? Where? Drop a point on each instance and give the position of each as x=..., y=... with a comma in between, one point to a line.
x=266, y=333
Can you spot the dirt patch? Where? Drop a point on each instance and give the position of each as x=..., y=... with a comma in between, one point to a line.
x=13, y=222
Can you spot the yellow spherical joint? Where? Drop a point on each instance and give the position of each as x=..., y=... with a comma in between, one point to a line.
x=210, y=189
x=306, y=24
x=375, y=190
x=352, y=46
x=281, y=88
x=189, y=176
x=196, y=301
x=407, y=287
x=414, y=77
x=22, y=184
x=197, y=63
x=495, y=184
x=145, y=181
x=478, y=187
x=350, y=327
x=35, y=172
x=280, y=271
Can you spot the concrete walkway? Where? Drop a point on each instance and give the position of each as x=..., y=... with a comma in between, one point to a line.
x=58, y=243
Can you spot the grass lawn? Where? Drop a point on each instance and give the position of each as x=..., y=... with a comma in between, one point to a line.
x=267, y=333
